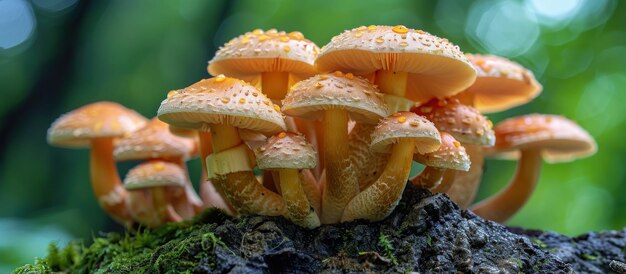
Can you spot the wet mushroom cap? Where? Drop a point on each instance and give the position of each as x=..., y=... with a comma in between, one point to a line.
x=464, y=123
x=450, y=155
x=436, y=67
x=96, y=120
x=309, y=98
x=405, y=125
x=155, y=174
x=286, y=150
x=154, y=141
x=265, y=51
x=221, y=100
x=560, y=139
x=501, y=83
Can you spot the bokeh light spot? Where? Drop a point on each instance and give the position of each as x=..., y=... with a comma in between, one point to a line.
x=17, y=23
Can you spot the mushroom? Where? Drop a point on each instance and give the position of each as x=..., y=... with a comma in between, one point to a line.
x=96, y=126
x=287, y=154
x=468, y=126
x=500, y=84
x=154, y=141
x=534, y=136
x=450, y=155
x=225, y=105
x=152, y=187
x=402, y=134
x=272, y=61
x=334, y=98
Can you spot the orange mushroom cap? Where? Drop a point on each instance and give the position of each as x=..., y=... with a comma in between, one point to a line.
x=450, y=155
x=154, y=141
x=405, y=125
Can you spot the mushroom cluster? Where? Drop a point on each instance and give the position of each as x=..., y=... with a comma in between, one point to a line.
x=323, y=136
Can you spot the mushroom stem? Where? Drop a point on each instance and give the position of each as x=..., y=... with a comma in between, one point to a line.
x=106, y=182
x=378, y=200
x=507, y=202
x=464, y=184
x=367, y=163
x=275, y=84
x=205, y=139
x=299, y=209
x=429, y=178
x=341, y=183
x=313, y=133
x=392, y=83
x=311, y=189
x=162, y=206
x=189, y=199
x=241, y=188
x=446, y=182
x=466, y=98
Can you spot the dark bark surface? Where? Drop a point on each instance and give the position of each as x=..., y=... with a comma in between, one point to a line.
x=425, y=234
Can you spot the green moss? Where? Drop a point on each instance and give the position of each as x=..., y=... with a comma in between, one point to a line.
x=539, y=242
x=385, y=244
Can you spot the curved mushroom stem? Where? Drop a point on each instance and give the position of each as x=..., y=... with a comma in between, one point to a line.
x=429, y=178
x=341, y=183
x=311, y=189
x=446, y=182
x=106, y=182
x=206, y=148
x=392, y=83
x=378, y=200
x=275, y=84
x=241, y=188
x=466, y=98
x=189, y=202
x=299, y=210
x=162, y=207
x=464, y=184
x=368, y=164
x=507, y=202
x=313, y=133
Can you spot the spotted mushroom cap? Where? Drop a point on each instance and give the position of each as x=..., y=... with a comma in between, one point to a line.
x=501, y=83
x=286, y=150
x=436, y=67
x=154, y=141
x=560, y=139
x=309, y=98
x=450, y=155
x=260, y=51
x=96, y=120
x=465, y=123
x=155, y=174
x=221, y=100
x=405, y=125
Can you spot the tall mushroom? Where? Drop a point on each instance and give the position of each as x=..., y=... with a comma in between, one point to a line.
x=467, y=125
x=287, y=154
x=334, y=98
x=96, y=126
x=500, y=84
x=450, y=156
x=154, y=141
x=223, y=105
x=400, y=134
x=406, y=64
x=552, y=137
x=152, y=187
x=272, y=61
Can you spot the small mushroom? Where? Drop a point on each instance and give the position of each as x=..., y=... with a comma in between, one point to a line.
x=287, y=154
x=153, y=186
x=402, y=134
x=534, y=136
x=223, y=105
x=450, y=155
x=334, y=98
x=96, y=126
x=407, y=64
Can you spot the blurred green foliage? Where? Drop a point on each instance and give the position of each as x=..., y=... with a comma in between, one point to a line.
x=58, y=55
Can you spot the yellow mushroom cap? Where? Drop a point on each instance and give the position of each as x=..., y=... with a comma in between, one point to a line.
x=465, y=123
x=450, y=155
x=221, y=100
x=436, y=67
x=265, y=51
x=501, y=83
x=154, y=141
x=155, y=174
x=96, y=120
x=560, y=139
x=405, y=125
x=310, y=97
x=286, y=150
